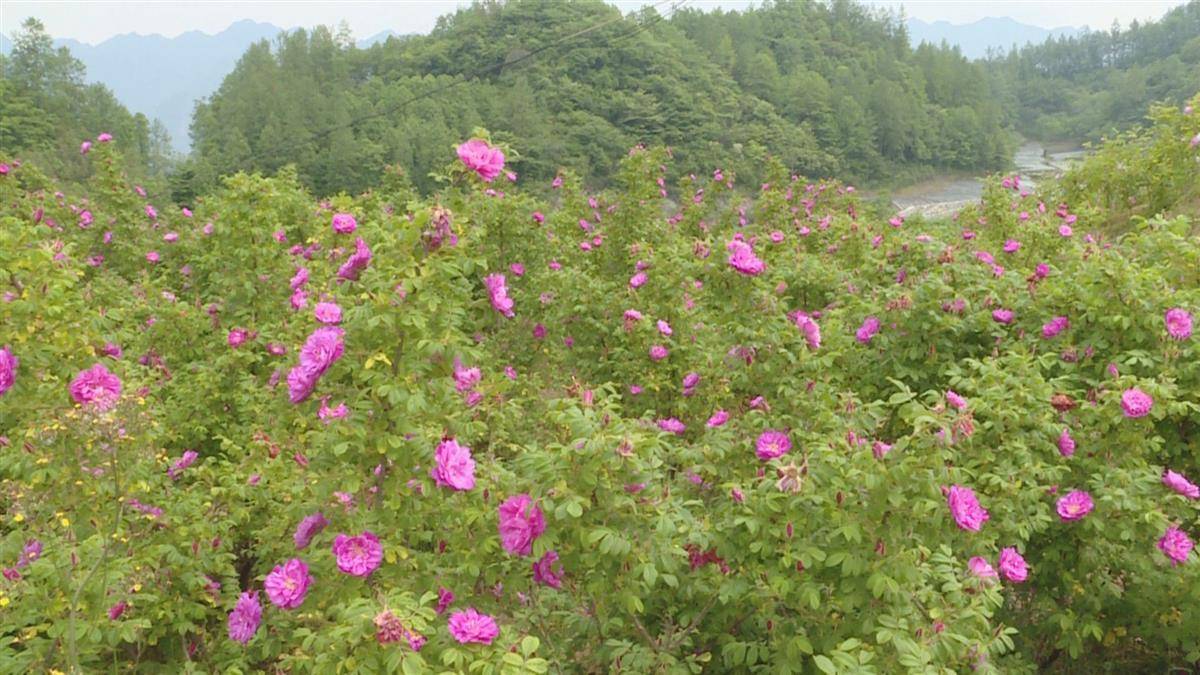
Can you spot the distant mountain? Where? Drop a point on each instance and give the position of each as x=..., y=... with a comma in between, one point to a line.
x=162, y=77
x=974, y=39
x=381, y=36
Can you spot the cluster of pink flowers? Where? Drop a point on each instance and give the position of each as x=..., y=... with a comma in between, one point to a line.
x=809, y=327
x=1012, y=565
x=1075, y=505
x=1181, y=485
x=483, y=159
x=237, y=337
x=869, y=328
x=498, y=292
x=308, y=528
x=690, y=382
x=359, y=555
x=96, y=388
x=1179, y=323
x=1136, y=403
x=965, y=508
x=521, y=522
x=177, y=467
x=8, y=369
x=356, y=262
x=1055, y=326
x=742, y=258
x=245, y=618
x=454, y=467
x=1176, y=545
x=954, y=399
x=344, y=223
x=772, y=444
x=672, y=425
x=322, y=348
x=328, y=313
x=1066, y=444
x=327, y=415
x=548, y=571
x=470, y=626
x=465, y=380
x=287, y=584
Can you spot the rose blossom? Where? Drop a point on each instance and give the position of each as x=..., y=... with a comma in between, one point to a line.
x=521, y=522
x=965, y=508
x=471, y=626
x=1075, y=505
x=455, y=468
x=288, y=583
x=359, y=555
x=1012, y=565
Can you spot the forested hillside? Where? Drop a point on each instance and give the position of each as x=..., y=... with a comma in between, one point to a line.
x=1084, y=87
x=45, y=109
x=848, y=76
x=829, y=89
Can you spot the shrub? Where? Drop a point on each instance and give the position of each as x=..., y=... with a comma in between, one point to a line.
x=496, y=476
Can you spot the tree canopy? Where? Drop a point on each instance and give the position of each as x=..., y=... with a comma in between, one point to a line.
x=47, y=110
x=830, y=89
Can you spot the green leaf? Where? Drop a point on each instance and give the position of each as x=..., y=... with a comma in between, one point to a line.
x=649, y=574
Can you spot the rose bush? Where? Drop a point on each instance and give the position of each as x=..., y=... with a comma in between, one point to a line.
x=799, y=443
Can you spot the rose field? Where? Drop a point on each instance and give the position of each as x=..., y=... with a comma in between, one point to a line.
x=672, y=424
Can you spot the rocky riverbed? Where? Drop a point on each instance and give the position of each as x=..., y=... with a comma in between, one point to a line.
x=943, y=196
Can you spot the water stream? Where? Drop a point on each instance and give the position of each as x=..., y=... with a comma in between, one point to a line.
x=944, y=195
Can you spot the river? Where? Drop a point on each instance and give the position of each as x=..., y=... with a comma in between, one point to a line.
x=944, y=195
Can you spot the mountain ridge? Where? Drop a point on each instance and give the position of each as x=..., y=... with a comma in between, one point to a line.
x=994, y=32
x=191, y=65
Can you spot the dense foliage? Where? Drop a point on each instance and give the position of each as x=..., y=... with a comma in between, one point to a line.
x=1143, y=172
x=1085, y=87
x=45, y=109
x=828, y=89
x=598, y=432
x=832, y=89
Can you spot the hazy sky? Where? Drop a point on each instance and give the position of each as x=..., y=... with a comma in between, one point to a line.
x=96, y=20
